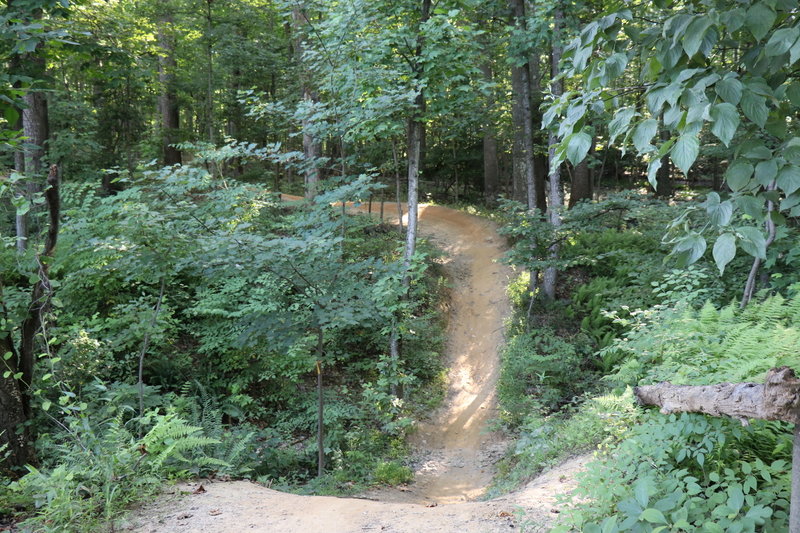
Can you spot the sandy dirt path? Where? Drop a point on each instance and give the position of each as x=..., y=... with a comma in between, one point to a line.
x=454, y=452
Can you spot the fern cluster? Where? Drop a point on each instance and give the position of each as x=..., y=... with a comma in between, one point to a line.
x=711, y=345
x=105, y=466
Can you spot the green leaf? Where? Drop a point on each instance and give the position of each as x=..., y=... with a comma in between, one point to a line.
x=652, y=171
x=752, y=241
x=695, y=33
x=726, y=120
x=755, y=108
x=789, y=179
x=46, y=405
x=7, y=356
x=738, y=175
x=685, y=151
x=766, y=171
x=730, y=90
x=721, y=215
x=735, y=497
x=693, y=246
x=759, y=20
x=724, y=250
x=640, y=492
x=642, y=134
x=578, y=147
x=620, y=122
x=712, y=527
x=654, y=516
x=781, y=41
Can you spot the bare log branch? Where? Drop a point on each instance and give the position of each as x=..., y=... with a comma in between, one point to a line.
x=776, y=399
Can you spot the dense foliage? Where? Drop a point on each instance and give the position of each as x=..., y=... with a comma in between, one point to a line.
x=162, y=314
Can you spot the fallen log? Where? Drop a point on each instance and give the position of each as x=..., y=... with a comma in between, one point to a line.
x=778, y=398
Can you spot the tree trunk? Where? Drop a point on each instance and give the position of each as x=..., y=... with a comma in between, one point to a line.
x=416, y=133
x=13, y=434
x=398, y=188
x=21, y=220
x=664, y=173
x=556, y=200
x=210, y=72
x=168, y=100
x=581, y=185
x=415, y=127
x=311, y=145
x=490, y=169
x=538, y=138
x=523, y=168
x=320, y=405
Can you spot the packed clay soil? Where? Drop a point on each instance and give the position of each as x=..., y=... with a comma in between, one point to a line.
x=454, y=452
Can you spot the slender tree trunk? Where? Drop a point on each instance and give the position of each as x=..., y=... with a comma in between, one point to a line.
x=210, y=71
x=320, y=405
x=538, y=138
x=490, y=168
x=523, y=120
x=769, y=225
x=556, y=200
x=414, y=146
x=398, y=187
x=311, y=145
x=664, y=173
x=168, y=100
x=33, y=122
x=416, y=133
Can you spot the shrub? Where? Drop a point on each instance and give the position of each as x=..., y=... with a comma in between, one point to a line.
x=539, y=372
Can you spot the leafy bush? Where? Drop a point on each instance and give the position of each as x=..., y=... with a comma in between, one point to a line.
x=544, y=441
x=691, y=471
x=688, y=473
x=539, y=372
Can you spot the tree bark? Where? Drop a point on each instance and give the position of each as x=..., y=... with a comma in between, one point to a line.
x=168, y=100
x=581, y=185
x=664, y=173
x=775, y=399
x=311, y=145
x=556, y=200
x=209, y=72
x=523, y=168
x=490, y=163
x=536, y=94
x=320, y=405
x=416, y=132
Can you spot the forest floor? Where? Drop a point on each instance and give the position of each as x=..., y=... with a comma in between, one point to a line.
x=454, y=452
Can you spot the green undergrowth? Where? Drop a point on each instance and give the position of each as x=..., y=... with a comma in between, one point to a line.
x=627, y=316
x=246, y=288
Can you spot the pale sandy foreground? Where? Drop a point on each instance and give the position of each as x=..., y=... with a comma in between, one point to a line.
x=241, y=506
x=454, y=452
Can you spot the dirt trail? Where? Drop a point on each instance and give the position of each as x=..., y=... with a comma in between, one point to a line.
x=454, y=452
